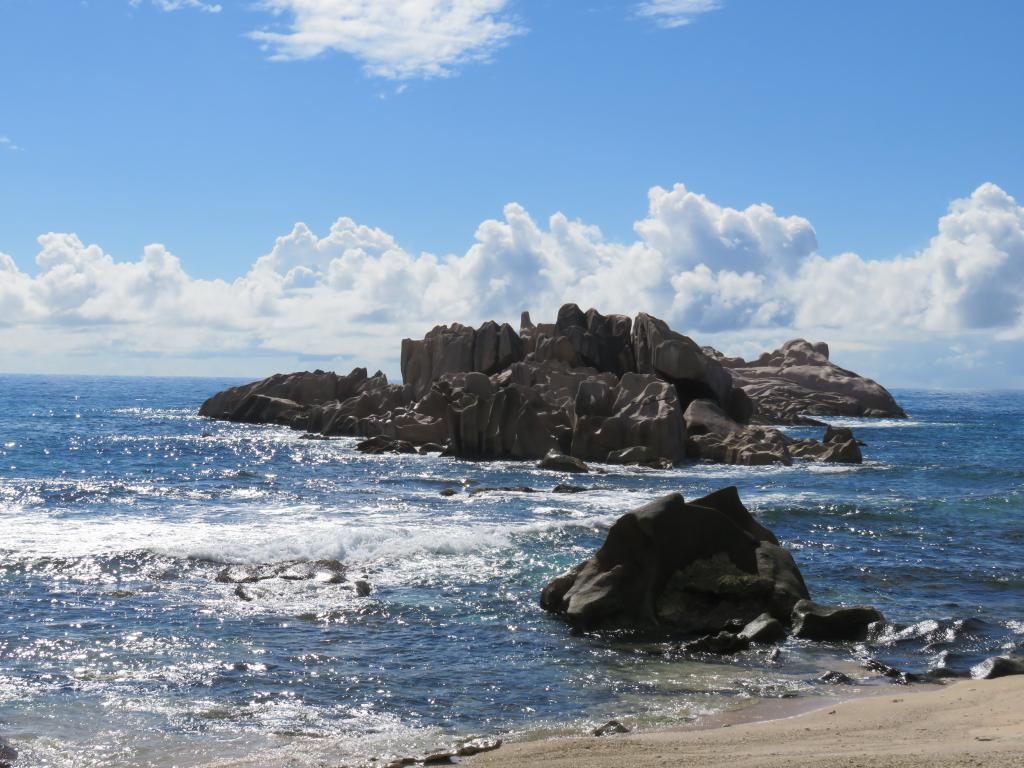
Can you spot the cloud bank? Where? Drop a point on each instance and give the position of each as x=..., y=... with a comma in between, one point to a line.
x=740, y=278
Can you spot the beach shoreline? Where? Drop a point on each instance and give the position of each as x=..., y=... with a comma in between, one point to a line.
x=969, y=722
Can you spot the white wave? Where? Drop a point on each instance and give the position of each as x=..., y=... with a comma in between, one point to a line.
x=858, y=422
x=287, y=533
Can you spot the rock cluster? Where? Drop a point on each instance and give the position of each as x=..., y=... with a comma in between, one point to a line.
x=588, y=387
x=700, y=567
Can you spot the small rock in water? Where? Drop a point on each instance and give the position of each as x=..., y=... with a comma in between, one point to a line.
x=383, y=444
x=612, y=726
x=241, y=594
x=566, y=488
x=362, y=588
x=504, y=489
x=448, y=492
x=898, y=676
x=326, y=571
x=313, y=436
x=822, y=622
x=835, y=678
x=998, y=666
x=431, y=448
x=764, y=629
x=559, y=462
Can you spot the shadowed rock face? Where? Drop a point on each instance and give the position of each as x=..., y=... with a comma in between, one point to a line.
x=591, y=386
x=681, y=567
x=677, y=359
x=798, y=379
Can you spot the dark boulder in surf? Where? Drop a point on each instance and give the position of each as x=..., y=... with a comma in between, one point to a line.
x=680, y=567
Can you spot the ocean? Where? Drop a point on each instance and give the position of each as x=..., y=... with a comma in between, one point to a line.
x=119, y=646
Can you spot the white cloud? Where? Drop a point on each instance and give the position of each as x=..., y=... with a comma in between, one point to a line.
x=396, y=39
x=675, y=13
x=6, y=143
x=177, y=5
x=743, y=279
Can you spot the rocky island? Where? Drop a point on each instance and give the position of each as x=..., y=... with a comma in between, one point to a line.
x=593, y=387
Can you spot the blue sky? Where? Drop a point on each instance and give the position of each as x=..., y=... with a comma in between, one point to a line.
x=213, y=130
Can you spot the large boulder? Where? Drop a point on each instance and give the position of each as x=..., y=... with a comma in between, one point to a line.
x=680, y=567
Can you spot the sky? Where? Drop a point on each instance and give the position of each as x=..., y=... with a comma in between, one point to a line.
x=238, y=188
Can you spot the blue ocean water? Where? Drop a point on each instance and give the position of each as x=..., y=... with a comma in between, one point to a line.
x=118, y=646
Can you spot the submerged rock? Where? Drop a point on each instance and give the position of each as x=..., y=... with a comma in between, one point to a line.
x=680, y=567
x=558, y=462
x=325, y=571
x=503, y=489
x=813, y=621
x=723, y=644
x=382, y=444
x=566, y=488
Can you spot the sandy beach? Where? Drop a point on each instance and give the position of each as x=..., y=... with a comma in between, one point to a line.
x=979, y=723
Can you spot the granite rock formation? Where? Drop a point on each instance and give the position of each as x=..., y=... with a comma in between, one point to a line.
x=705, y=567
x=798, y=381
x=598, y=388
x=681, y=567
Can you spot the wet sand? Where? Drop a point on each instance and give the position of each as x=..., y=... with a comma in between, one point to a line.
x=968, y=723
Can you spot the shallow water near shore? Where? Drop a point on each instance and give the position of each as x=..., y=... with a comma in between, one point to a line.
x=118, y=646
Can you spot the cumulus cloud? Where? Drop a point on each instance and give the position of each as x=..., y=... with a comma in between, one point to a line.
x=675, y=13
x=742, y=278
x=6, y=143
x=396, y=39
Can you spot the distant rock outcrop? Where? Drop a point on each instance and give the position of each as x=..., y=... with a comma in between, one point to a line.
x=798, y=380
x=593, y=387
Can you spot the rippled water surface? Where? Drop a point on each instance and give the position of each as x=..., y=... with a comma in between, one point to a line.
x=118, y=646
